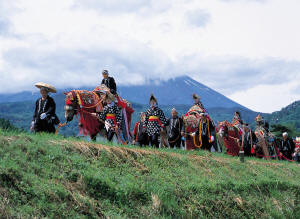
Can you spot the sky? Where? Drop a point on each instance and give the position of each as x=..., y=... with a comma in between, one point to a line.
x=248, y=50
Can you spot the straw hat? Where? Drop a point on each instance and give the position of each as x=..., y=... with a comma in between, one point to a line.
x=49, y=87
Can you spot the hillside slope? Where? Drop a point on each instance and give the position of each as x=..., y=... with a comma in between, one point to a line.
x=47, y=176
x=289, y=114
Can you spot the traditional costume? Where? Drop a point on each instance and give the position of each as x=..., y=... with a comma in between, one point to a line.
x=139, y=132
x=205, y=132
x=111, y=116
x=174, y=132
x=155, y=121
x=44, y=118
x=286, y=148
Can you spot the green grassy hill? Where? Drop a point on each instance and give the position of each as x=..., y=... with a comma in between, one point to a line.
x=44, y=176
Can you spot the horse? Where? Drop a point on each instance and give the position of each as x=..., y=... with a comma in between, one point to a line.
x=266, y=145
x=192, y=124
x=232, y=137
x=86, y=103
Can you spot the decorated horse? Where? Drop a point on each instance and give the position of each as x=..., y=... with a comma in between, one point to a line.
x=267, y=145
x=233, y=137
x=84, y=104
x=193, y=124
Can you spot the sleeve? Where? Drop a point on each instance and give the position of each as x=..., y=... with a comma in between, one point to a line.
x=102, y=114
x=292, y=145
x=113, y=85
x=147, y=118
x=280, y=146
x=168, y=122
x=51, y=108
x=181, y=125
x=212, y=127
x=162, y=117
x=35, y=114
x=135, y=130
x=102, y=82
x=118, y=115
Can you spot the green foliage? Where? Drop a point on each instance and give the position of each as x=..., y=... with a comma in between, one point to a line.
x=6, y=125
x=46, y=176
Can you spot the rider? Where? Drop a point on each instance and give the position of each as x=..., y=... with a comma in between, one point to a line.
x=44, y=118
x=237, y=119
x=139, y=132
x=176, y=129
x=109, y=82
x=197, y=101
x=111, y=116
x=155, y=122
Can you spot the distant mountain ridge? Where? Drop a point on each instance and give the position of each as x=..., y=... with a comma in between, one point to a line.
x=171, y=92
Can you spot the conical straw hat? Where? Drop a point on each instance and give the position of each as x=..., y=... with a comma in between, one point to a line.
x=48, y=86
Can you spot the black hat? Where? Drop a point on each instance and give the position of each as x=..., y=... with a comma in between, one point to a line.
x=152, y=97
x=105, y=72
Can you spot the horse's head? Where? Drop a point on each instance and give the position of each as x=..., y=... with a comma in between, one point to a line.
x=223, y=129
x=71, y=106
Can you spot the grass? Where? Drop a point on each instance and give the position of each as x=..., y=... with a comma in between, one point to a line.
x=46, y=176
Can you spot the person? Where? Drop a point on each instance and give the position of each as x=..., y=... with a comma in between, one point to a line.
x=237, y=119
x=155, y=121
x=249, y=140
x=296, y=155
x=176, y=129
x=44, y=117
x=204, y=132
x=111, y=116
x=109, y=82
x=197, y=101
x=287, y=147
x=139, y=132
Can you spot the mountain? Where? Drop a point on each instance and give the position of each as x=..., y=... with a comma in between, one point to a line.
x=177, y=91
x=287, y=115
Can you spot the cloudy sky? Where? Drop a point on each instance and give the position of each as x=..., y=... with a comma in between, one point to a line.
x=249, y=50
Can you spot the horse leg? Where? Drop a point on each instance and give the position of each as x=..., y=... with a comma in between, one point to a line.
x=94, y=137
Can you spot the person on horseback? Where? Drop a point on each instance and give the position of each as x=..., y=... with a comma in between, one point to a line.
x=155, y=121
x=197, y=101
x=287, y=146
x=111, y=116
x=139, y=132
x=109, y=82
x=44, y=118
x=176, y=129
x=237, y=119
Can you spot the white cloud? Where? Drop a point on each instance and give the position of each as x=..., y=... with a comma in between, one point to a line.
x=245, y=43
x=268, y=98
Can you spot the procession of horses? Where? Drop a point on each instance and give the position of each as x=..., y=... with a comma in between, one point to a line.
x=103, y=112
